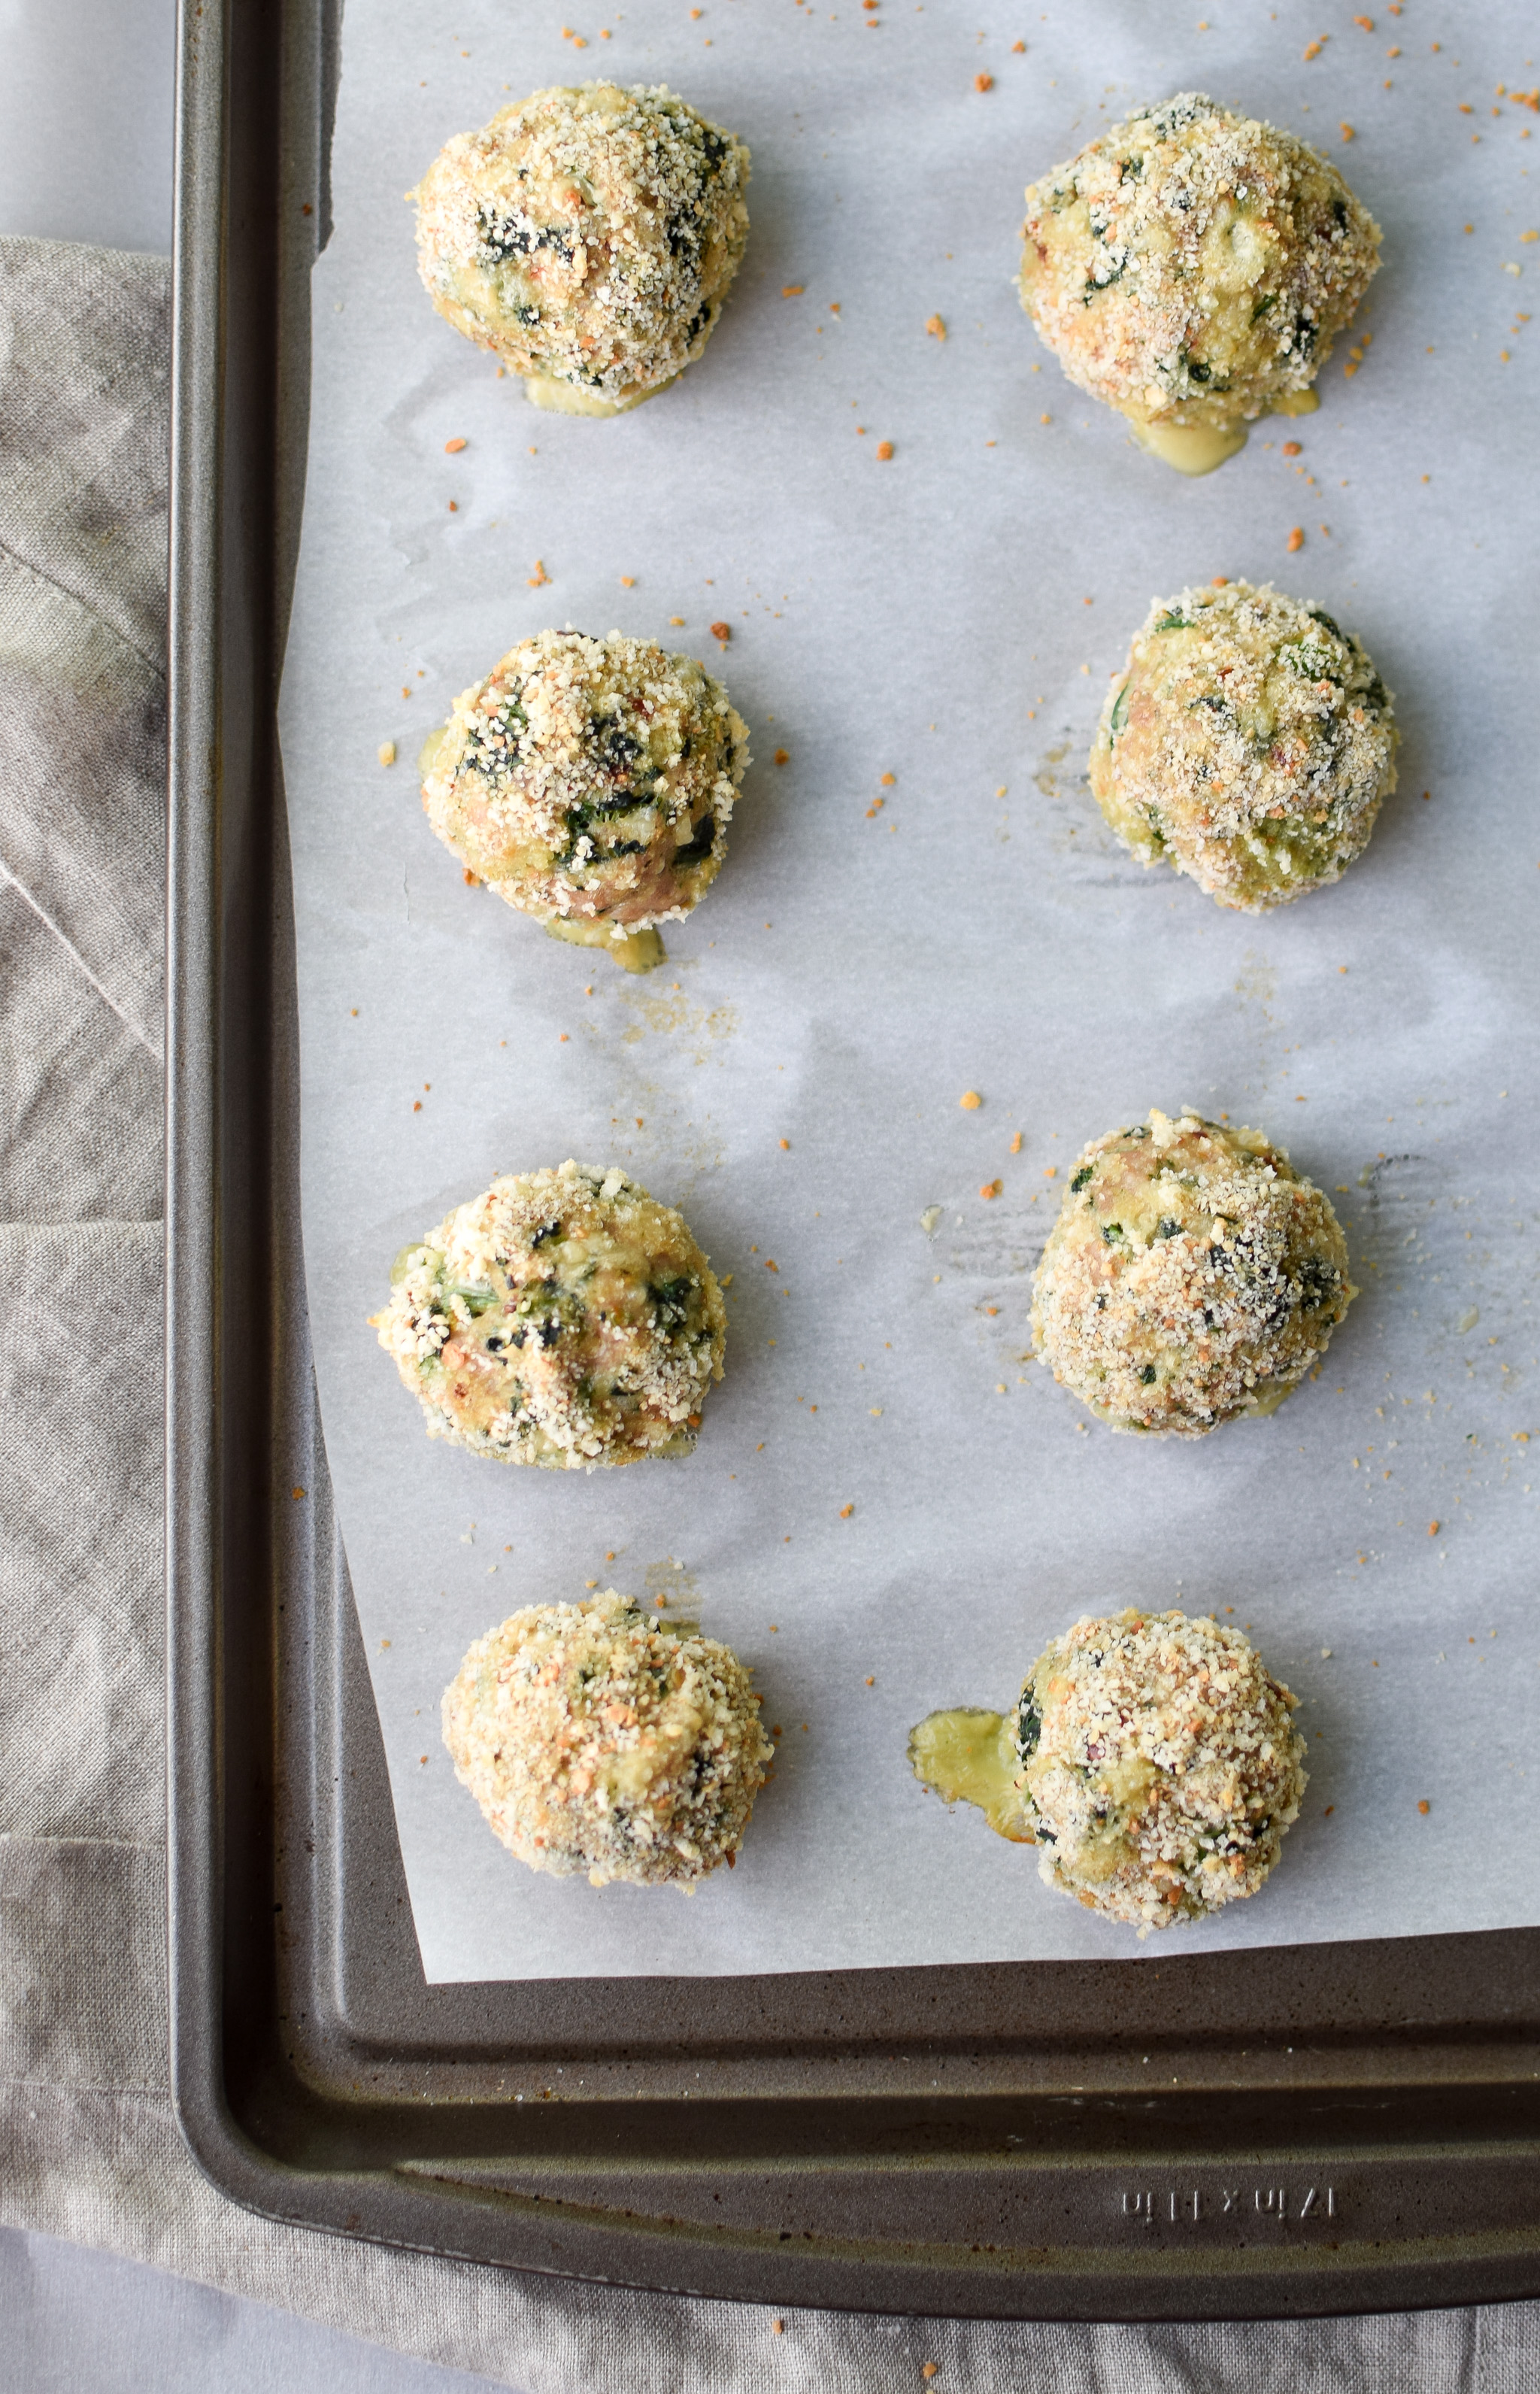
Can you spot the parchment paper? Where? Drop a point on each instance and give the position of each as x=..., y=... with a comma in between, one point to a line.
x=791, y=1078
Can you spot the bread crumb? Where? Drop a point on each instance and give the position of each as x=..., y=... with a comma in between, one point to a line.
x=1295, y=539
x=388, y=751
x=980, y=82
x=970, y=1101
x=453, y=448
x=935, y=326
x=884, y=450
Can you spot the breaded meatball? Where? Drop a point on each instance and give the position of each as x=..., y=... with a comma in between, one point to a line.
x=1159, y=1763
x=1150, y=1757
x=1249, y=742
x=589, y=782
x=1192, y=1277
x=595, y=1740
x=564, y=1318
x=586, y=236
x=1192, y=268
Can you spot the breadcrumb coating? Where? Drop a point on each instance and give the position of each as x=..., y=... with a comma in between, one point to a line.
x=1191, y=267
x=595, y=1740
x=1249, y=743
x=591, y=780
x=564, y=1318
x=1159, y=1765
x=1192, y=1277
x=587, y=237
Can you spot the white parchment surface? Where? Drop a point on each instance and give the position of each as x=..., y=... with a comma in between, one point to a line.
x=791, y=1078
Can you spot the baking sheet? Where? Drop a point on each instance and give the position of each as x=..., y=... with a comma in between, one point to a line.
x=791, y=1078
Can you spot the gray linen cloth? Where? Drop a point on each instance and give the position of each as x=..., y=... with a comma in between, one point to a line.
x=88, y=2147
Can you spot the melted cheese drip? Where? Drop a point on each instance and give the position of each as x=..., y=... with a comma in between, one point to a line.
x=571, y=398
x=1191, y=448
x=636, y=952
x=1199, y=448
x=428, y=754
x=970, y=1754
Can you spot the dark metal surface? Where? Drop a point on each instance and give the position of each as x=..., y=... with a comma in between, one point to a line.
x=1323, y=2128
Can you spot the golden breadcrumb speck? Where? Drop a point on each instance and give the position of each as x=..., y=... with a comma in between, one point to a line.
x=1248, y=741
x=587, y=237
x=590, y=782
x=598, y=1740
x=1192, y=268
x=1192, y=1277
x=564, y=1319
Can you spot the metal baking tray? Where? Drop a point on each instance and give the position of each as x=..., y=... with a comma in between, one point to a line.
x=1320, y=2128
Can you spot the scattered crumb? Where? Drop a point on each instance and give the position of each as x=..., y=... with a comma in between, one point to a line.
x=388, y=751
x=970, y=1101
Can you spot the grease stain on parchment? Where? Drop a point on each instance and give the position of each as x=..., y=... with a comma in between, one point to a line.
x=677, y=1587
x=673, y=1015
